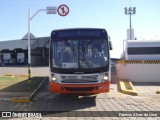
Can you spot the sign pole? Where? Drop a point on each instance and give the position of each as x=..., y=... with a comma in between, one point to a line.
x=49, y=10
x=29, y=48
x=63, y=10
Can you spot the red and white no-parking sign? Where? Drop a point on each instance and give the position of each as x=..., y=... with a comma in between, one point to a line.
x=63, y=10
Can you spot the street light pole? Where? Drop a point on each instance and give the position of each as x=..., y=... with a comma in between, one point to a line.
x=130, y=26
x=130, y=11
x=49, y=10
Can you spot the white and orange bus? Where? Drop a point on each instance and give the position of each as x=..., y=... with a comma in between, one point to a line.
x=80, y=61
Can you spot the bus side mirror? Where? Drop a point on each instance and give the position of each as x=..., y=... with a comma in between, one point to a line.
x=110, y=45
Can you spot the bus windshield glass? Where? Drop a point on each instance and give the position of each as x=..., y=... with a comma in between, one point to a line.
x=82, y=53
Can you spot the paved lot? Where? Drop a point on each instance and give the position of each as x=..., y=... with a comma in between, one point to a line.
x=87, y=106
x=35, y=71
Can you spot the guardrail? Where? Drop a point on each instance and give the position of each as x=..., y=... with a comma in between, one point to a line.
x=138, y=62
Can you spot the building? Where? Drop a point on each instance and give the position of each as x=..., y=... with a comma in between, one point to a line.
x=141, y=50
x=15, y=52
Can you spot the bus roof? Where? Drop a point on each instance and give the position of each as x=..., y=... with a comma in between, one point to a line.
x=79, y=32
x=67, y=29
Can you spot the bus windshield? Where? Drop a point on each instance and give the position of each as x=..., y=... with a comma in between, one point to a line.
x=82, y=53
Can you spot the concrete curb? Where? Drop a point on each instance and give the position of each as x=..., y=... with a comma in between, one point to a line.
x=8, y=75
x=28, y=98
x=20, y=99
x=36, y=90
x=158, y=91
x=127, y=87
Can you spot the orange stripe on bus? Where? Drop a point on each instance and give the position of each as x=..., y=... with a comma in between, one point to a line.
x=97, y=88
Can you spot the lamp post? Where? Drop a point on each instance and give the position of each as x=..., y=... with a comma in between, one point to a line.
x=130, y=11
x=49, y=10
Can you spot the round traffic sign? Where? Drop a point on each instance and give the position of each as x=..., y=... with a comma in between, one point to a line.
x=63, y=10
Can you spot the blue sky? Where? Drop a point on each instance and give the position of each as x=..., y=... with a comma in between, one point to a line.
x=108, y=14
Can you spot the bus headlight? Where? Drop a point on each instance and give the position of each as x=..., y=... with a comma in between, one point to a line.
x=53, y=77
x=106, y=77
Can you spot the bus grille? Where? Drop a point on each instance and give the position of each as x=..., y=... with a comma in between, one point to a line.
x=82, y=79
x=79, y=89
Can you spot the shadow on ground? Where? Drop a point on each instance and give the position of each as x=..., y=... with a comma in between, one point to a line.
x=65, y=104
x=22, y=85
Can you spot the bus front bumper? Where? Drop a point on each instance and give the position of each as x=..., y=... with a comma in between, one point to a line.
x=80, y=88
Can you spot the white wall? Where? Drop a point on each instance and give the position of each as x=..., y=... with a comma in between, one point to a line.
x=139, y=72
